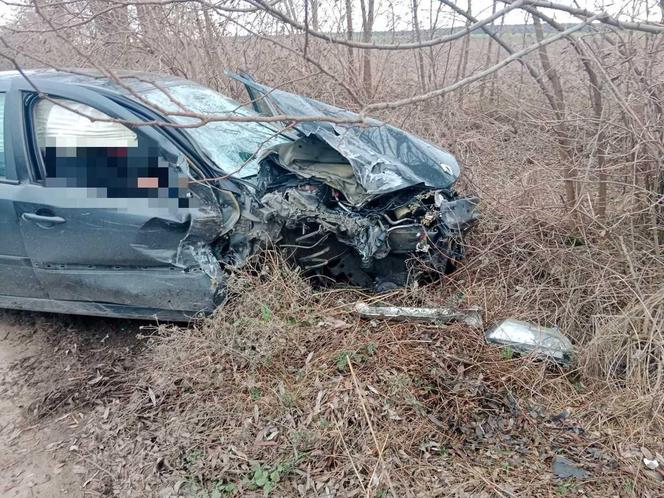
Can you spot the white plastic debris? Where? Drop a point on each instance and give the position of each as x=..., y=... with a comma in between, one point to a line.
x=470, y=316
x=527, y=337
x=651, y=464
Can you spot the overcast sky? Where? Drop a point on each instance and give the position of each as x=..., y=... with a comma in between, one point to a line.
x=397, y=14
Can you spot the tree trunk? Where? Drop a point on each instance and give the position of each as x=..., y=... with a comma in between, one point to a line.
x=567, y=165
x=367, y=7
x=494, y=76
x=421, y=76
x=462, y=64
x=349, y=36
x=489, y=48
x=314, y=15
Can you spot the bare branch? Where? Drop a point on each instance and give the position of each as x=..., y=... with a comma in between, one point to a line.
x=477, y=76
x=382, y=46
x=534, y=73
x=603, y=17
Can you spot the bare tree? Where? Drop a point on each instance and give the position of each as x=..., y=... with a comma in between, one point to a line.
x=367, y=8
x=189, y=39
x=420, y=58
x=349, y=34
x=462, y=63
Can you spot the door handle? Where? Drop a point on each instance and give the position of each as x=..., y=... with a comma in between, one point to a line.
x=39, y=218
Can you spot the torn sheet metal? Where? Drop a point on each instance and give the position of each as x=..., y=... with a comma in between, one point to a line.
x=469, y=316
x=527, y=337
x=384, y=158
x=196, y=228
x=459, y=214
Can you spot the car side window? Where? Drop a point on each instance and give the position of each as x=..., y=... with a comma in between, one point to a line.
x=3, y=172
x=82, y=147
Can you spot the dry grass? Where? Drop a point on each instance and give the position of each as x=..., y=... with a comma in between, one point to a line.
x=285, y=391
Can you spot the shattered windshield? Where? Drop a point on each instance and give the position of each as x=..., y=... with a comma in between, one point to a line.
x=232, y=146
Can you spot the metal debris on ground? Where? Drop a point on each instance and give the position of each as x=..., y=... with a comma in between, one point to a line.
x=563, y=468
x=470, y=316
x=527, y=337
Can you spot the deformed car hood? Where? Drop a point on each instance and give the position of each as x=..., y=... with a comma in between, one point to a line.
x=384, y=159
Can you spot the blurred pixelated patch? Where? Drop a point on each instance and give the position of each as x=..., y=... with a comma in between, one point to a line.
x=116, y=172
x=104, y=156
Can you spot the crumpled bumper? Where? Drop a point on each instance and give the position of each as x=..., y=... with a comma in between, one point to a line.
x=373, y=246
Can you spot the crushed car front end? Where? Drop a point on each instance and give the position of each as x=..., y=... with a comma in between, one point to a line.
x=354, y=202
x=347, y=200
x=370, y=246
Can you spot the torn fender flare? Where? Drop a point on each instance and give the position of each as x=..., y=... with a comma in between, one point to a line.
x=460, y=214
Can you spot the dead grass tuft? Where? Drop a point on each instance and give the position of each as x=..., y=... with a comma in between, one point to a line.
x=627, y=350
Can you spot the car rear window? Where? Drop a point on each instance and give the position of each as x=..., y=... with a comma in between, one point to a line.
x=2, y=135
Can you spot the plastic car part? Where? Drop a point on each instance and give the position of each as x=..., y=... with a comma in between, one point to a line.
x=469, y=316
x=527, y=337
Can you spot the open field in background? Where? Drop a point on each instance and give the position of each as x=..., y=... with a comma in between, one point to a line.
x=284, y=392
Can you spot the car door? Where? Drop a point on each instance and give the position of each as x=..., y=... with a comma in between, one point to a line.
x=110, y=217
x=17, y=278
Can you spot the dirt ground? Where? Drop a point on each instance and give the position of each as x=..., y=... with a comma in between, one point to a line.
x=30, y=463
x=38, y=455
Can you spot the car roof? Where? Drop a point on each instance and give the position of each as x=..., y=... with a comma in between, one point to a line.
x=121, y=81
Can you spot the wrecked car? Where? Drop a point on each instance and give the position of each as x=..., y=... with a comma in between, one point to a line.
x=117, y=200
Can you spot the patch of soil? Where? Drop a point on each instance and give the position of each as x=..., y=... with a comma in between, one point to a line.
x=51, y=369
x=30, y=461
